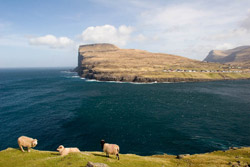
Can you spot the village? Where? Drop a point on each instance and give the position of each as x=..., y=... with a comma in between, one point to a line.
x=205, y=71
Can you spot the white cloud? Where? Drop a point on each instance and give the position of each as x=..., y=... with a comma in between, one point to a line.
x=229, y=34
x=51, y=41
x=140, y=38
x=107, y=34
x=193, y=29
x=246, y=22
x=173, y=16
x=224, y=46
x=186, y=28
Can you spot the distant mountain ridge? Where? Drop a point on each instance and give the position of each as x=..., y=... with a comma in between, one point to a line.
x=239, y=54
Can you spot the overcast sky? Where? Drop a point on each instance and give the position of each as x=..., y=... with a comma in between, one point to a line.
x=47, y=33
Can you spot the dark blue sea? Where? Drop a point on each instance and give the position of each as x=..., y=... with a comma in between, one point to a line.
x=57, y=107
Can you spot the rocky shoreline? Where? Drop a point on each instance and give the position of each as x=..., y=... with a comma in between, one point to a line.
x=92, y=75
x=107, y=77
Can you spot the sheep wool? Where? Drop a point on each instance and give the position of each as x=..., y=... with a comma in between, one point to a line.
x=24, y=141
x=112, y=149
x=65, y=151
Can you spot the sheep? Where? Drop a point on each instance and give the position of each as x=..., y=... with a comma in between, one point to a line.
x=110, y=149
x=65, y=151
x=24, y=141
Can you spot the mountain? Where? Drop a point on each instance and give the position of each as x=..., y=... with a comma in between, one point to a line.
x=239, y=55
x=107, y=62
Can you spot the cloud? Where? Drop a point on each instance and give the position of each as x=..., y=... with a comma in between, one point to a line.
x=193, y=29
x=246, y=22
x=240, y=31
x=188, y=28
x=107, y=34
x=230, y=34
x=173, y=16
x=140, y=38
x=51, y=41
x=224, y=46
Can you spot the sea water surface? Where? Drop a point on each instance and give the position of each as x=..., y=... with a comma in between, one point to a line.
x=57, y=107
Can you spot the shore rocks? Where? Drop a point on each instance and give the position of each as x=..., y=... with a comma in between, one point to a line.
x=92, y=164
x=126, y=78
x=180, y=156
x=233, y=148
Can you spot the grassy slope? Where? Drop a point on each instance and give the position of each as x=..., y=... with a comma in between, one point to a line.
x=14, y=157
x=130, y=63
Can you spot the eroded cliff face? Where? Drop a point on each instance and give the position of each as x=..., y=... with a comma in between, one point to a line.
x=85, y=68
x=107, y=62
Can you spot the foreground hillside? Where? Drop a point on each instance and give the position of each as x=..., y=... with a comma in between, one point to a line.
x=238, y=56
x=14, y=157
x=107, y=62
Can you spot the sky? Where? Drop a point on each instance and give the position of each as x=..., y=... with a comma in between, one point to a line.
x=47, y=33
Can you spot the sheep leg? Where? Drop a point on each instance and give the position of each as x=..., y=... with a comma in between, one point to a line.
x=28, y=149
x=107, y=155
x=21, y=147
x=117, y=155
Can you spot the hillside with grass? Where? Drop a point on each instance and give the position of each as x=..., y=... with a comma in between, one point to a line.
x=107, y=62
x=15, y=158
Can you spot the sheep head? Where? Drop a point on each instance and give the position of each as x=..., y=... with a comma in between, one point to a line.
x=102, y=143
x=60, y=148
x=34, y=143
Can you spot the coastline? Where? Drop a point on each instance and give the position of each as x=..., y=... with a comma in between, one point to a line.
x=228, y=158
x=143, y=80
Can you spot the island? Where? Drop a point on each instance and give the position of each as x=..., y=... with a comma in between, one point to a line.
x=107, y=62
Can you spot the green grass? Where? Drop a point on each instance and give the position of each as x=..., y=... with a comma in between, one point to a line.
x=14, y=158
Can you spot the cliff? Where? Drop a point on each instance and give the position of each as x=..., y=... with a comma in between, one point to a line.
x=239, y=55
x=107, y=62
x=14, y=157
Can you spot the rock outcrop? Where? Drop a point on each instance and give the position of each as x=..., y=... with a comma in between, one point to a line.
x=92, y=164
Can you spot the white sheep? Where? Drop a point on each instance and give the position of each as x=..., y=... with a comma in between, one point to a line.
x=28, y=142
x=110, y=149
x=65, y=151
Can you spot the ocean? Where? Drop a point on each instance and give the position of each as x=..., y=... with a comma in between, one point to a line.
x=57, y=107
